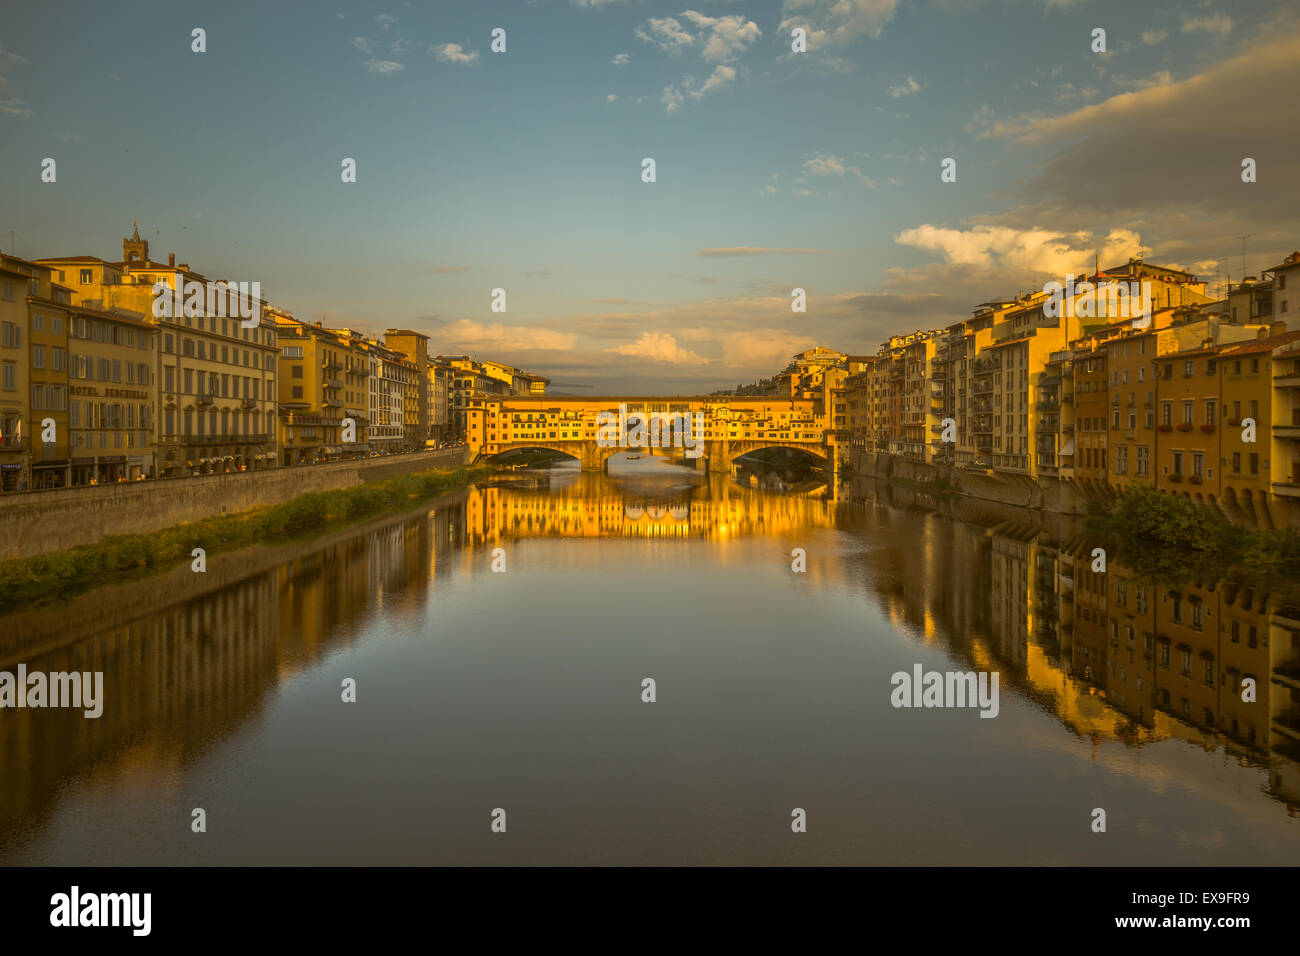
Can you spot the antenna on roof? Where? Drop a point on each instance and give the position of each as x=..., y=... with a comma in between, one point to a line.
x=1243, y=252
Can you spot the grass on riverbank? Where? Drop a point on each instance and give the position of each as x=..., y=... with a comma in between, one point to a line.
x=1166, y=539
x=120, y=557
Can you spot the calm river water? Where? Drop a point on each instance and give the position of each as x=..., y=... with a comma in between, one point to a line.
x=521, y=690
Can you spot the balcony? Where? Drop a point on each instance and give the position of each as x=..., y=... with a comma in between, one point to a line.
x=1286, y=489
x=10, y=443
x=1286, y=431
x=1176, y=478
x=1048, y=406
x=1286, y=381
x=982, y=388
x=1068, y=398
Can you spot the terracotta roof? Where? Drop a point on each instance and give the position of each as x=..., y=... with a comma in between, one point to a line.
x=1258, y=346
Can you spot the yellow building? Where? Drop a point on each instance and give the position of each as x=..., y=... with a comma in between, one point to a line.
x=419, y=402
x=313, y=361
x=215, y=397
x=113, y=396
x=33, y=377
x=1246, y=390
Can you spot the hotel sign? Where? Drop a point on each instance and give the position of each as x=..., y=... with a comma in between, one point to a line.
x=109, y=392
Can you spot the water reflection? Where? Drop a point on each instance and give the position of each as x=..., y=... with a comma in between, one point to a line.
x=222, y=689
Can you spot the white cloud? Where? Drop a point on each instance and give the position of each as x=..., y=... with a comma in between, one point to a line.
x=1220, y=23
x=664, y=32
x=824, y=164
x=384, y=67
x=904, y=89
x=833, y=22
x=727, y=36
x=454, y=53
x=1152, y=37
x=721, y=76
x=466, y=335
x=620, y=59
x=1025, y=251
x=385, y=21
x=364, y=45
x=659, y=347
x=611, y=97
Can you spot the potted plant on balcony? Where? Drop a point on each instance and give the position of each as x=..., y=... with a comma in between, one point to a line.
x=1185, y=427
x=1208, y=429
x=1176, y=477
x=1194, y=480
x=1234, y=421
x=1164, y=428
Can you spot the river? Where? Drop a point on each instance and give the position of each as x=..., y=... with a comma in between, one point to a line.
x=514, y=696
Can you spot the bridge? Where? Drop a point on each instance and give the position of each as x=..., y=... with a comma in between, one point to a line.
x=722, y=428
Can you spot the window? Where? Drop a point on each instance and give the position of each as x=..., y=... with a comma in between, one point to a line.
x=297, y=371
x=1189, y=412
x=87, y=276
x=297, y=391
x=38, y=356
x=1166, y=413
x=9, y=335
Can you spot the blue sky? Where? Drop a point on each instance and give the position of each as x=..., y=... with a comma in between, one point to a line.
x=522, y=170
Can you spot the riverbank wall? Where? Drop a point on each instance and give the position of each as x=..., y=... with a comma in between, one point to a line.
x=39, y=522
x=1022, y=491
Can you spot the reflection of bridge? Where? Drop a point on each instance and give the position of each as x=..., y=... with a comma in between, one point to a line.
x=594, y=507
x=731, y=427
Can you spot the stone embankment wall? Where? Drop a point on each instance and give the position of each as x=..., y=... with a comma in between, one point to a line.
x=38, y=522
x=1022, y=491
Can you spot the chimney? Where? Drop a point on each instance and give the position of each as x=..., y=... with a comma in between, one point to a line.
x=171, y=259
x=1277, y=328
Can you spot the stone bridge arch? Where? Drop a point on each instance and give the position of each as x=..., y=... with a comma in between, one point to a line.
x=731, y=451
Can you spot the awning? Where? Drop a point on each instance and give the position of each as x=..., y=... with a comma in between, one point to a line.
x=1068, y=448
